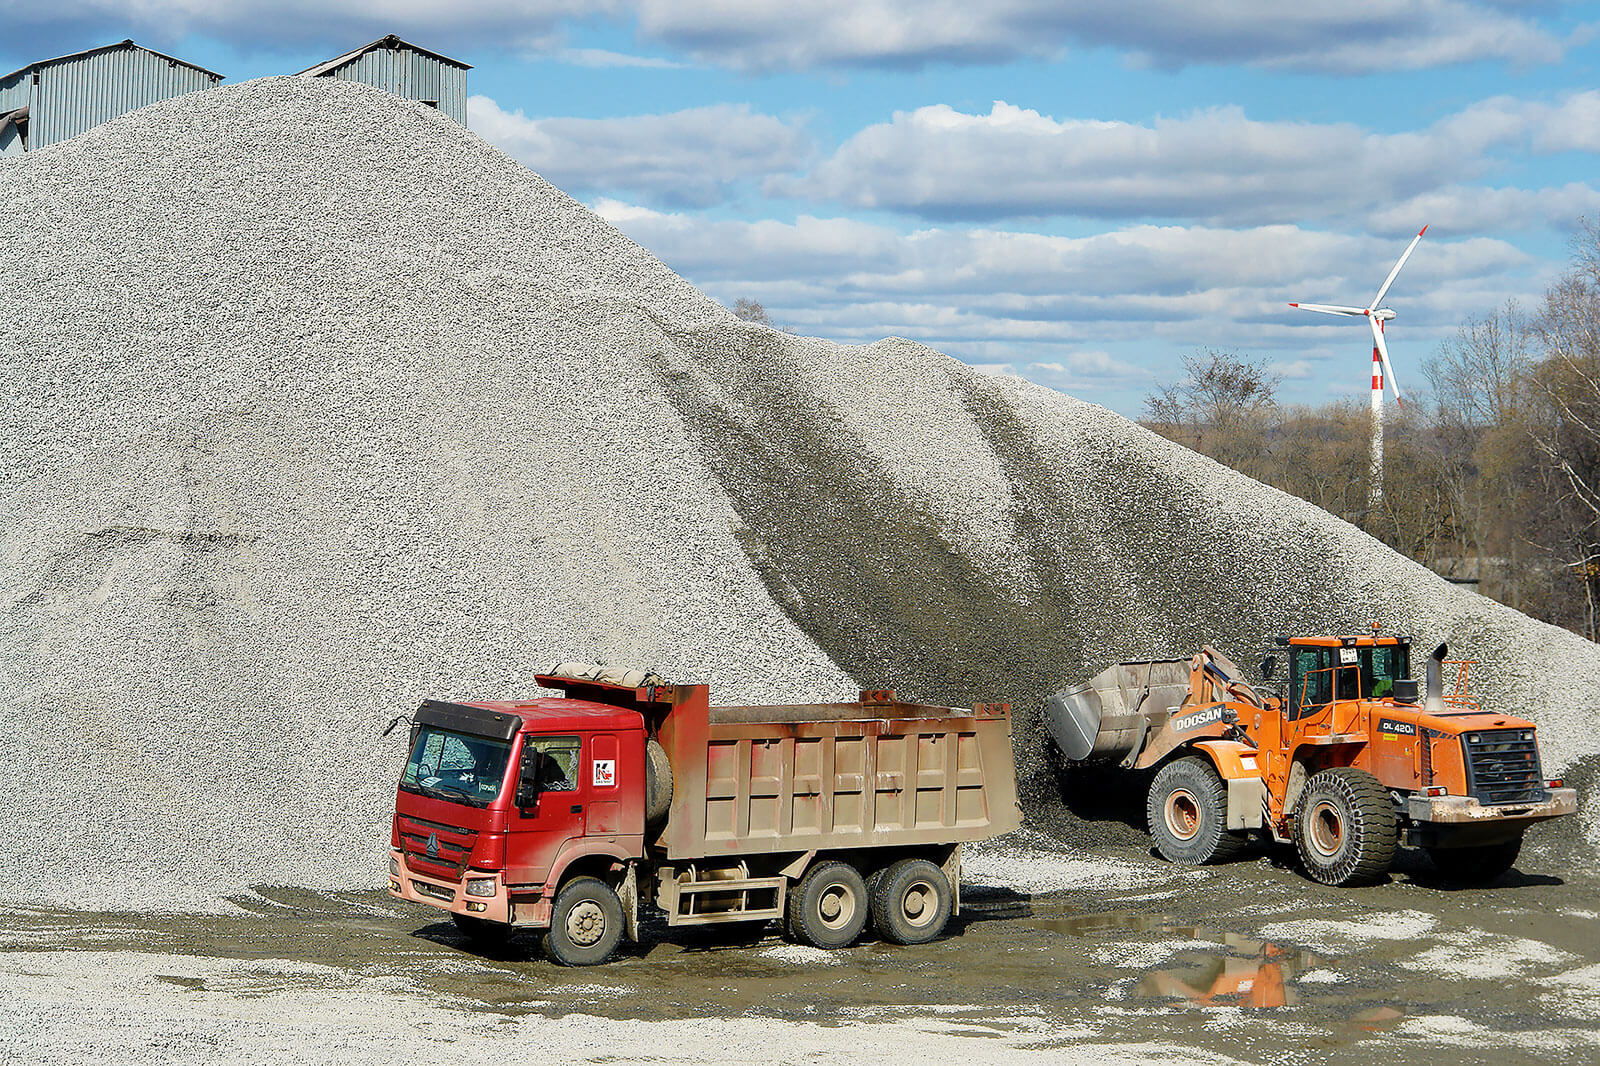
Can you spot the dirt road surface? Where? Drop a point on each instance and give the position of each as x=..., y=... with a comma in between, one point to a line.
x=1063, y=954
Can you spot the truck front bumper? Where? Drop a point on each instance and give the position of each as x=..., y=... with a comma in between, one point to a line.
x=450, y=896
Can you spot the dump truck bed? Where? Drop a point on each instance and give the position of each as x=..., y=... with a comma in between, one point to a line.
x=876, y=773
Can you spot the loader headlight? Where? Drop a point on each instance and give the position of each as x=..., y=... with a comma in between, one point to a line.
x=483, y=887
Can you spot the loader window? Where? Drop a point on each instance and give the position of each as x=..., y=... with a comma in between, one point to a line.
x=1313, y=681
x=1381, y=667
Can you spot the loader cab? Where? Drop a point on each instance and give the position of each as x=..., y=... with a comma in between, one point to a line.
x=1323, y=670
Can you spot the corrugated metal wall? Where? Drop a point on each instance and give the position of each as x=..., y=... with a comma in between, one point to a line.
x=412, y=75
x=81, y=92
x=13, y=94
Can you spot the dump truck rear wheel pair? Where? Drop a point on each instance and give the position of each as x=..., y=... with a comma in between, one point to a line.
x=1345, y=827
x=1188, y=814
x=908, y=902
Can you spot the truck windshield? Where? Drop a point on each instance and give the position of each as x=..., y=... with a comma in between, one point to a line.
x=456, y=767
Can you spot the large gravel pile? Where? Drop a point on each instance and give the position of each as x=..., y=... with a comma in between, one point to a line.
x=314, y=404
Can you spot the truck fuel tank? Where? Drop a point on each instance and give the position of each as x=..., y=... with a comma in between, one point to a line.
x=1108, y=718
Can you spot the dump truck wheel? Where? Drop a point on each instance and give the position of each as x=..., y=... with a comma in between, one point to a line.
x=585, y=923
x=481, y=931
x=1188, y=814
x=910, y=901
x=1475, y=866
x=828, y=908
x=1345, y=828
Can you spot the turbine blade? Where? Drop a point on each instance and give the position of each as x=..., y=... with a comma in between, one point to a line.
x=1331, y=309
x=1378, y=299
x=1383, y=353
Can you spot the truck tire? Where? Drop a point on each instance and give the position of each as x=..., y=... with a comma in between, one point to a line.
x=828, y=908
x=657, y=783
x=910, y=901
x=1188, y=814
x=1476, y=865
x=585, y=923
x=1345, y=827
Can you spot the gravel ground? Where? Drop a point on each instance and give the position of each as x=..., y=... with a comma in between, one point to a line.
x=314, y=405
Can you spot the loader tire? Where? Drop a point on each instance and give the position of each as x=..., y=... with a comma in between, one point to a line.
x=1345, y=827
x=1477, y=865
x=910, y=901
x=585, y=923
x=1188, y=814
x=828, y=908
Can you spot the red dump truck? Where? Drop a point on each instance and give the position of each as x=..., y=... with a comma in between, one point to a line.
x=560, y=814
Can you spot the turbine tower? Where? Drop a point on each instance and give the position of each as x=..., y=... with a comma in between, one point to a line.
x=1376, y=317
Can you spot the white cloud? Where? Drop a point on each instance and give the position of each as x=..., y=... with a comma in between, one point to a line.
x=694, y=157
x=1216, y=166
x=1353, y=37
x=601, y=59
x=1071, y=312
x=1357, y=36
x=260, y=25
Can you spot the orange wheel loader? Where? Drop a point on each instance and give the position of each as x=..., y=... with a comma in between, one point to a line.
x=1347, y=761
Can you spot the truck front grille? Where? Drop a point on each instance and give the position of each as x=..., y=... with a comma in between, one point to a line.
x=1503, y=766
x=452, y=846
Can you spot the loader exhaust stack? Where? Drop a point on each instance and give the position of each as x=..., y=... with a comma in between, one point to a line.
x=1434, y=702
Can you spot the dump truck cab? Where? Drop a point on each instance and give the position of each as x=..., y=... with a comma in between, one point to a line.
x=502, y=794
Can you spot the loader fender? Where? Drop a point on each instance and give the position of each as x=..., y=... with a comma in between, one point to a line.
x=1247, y=791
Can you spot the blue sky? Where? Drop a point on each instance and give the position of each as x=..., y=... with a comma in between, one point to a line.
x=1078, y=193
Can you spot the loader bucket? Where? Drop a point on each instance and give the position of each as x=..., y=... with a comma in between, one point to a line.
x=1108, y=719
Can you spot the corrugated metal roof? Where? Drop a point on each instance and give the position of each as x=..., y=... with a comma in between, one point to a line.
x=391, y=41
x=106, y=48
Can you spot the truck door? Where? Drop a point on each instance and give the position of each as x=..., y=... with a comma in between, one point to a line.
x=556, y=766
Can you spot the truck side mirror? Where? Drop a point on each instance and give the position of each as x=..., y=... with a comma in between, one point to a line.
x=528, y=785
x=1269, y=666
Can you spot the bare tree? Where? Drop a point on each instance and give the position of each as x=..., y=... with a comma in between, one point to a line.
x=1483, y=444
x=1223, y=408
x=752, y=311
x=1567, y=432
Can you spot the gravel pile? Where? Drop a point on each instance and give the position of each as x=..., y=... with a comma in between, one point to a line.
x=314, y=405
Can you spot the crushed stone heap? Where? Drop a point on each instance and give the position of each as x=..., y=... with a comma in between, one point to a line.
x=315, y=405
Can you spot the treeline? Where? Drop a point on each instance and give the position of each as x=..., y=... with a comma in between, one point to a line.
x=1495, y=476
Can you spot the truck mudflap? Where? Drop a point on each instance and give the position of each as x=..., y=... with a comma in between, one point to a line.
x=1466, y=810
x=449, y=896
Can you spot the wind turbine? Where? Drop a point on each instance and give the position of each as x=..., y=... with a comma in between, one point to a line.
x=1376, y=316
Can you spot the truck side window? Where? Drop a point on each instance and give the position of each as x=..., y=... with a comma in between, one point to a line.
x=555, y=760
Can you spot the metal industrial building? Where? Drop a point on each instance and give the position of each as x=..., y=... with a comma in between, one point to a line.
x=54, y=99
x=405, y=70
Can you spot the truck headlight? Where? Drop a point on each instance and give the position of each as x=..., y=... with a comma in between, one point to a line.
x=483, y=887
x=394, y=866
